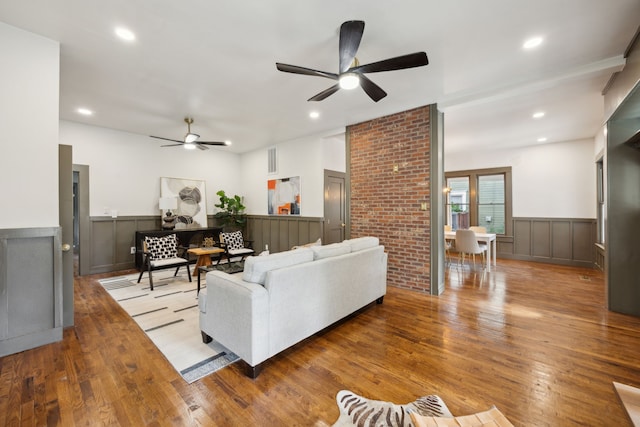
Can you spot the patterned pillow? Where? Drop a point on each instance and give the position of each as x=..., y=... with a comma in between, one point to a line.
x=233, y=240
x=162, y=247
x=358, y=411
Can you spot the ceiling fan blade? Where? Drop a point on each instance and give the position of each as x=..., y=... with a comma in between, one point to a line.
x=350, y=36
x=201, y=147
x=172, y=145
x=306, y=71
x=374, y=91
x=325, y=93
x=212, y=143
x=167, y=139
x=411, y=60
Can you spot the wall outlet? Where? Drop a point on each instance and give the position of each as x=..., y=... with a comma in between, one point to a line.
x=133, y=250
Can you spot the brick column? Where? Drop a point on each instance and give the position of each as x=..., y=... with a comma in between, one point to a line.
x=389, y=175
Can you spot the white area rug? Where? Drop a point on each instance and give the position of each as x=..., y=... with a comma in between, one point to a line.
x=169, y=316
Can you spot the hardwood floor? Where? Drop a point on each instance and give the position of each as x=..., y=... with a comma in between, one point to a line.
x=533, y=339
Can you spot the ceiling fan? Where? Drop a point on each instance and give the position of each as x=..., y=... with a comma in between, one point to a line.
x=351, y=73
x=190, y=140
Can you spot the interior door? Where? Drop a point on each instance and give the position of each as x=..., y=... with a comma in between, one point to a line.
x=335, y=217
x=65, y=213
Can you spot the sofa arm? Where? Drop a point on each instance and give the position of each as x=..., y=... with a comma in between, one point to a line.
x=236, y=314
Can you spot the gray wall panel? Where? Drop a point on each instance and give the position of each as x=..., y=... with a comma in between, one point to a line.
x=568, y=241
x=584, y=236
x=125, y=239
x=30, y=280
x=31, y=299
x=522, y=237
x=541, y=239
x=102, y=243
x=562, y=240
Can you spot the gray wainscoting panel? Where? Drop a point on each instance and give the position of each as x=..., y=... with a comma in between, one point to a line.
x=561, y=241
x=522, y=245
x=282, y=232
x=584, y=236
x=540, y=239
x=111, y=241
x=568, y=241
x=30, y=292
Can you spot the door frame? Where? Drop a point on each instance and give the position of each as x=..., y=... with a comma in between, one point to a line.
x=340, y=175
x=84, y=253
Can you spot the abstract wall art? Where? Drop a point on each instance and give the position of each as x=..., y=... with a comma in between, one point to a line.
x=192, y=206
x=284, y=196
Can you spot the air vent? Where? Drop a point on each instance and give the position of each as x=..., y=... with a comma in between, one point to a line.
x=273, y=160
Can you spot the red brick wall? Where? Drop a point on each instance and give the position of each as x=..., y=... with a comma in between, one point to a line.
x=387, y=204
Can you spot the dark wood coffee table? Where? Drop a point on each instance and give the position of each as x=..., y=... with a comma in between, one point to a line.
x=229, y=267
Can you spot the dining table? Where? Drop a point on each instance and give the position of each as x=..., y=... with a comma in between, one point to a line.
x=488, y=239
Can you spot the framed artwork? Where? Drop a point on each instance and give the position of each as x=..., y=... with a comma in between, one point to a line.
x=191, y=210
x=284, y=196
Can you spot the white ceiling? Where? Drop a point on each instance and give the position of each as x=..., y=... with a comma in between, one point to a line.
x=215, y=61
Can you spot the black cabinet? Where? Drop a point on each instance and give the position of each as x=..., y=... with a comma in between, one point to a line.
x=185, y=237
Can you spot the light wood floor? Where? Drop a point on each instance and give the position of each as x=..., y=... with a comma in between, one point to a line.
x=533, y=339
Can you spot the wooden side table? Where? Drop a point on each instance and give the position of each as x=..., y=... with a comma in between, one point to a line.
x=204, y=256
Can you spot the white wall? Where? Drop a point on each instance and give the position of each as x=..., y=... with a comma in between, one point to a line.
x=29, y=80
x=125, y=169
x=549, y=181
x=305, y=157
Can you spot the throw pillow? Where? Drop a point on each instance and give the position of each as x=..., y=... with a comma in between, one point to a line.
x=492, y=417
x=359, y=411
x=162, y=247
x=331, y=250
x=256, y=267
x=233, y=240
x=360, y=243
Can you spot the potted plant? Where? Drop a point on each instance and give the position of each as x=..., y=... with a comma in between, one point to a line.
x=231, y=213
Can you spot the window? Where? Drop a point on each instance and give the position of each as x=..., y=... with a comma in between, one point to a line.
x=479, y=197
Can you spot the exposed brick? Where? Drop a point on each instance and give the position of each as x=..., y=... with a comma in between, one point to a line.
x=386, y=204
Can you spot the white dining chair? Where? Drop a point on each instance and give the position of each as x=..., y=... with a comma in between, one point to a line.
x=448, y=246
x=467, y=244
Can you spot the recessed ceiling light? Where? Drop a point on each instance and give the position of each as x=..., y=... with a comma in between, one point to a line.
x=125, y=34
x=542, y=139
x=314, y=114
x=538, y=114
x=84, y=111
x=227, y=143
x=533, y=42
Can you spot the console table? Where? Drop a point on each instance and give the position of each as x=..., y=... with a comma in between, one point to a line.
x=184, y=236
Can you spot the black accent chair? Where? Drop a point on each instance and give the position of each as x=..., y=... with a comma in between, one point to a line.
x=160, y=253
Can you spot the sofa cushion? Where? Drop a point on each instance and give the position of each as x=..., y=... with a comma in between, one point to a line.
x=327, y=251
x=361, y=243
x=256, y=267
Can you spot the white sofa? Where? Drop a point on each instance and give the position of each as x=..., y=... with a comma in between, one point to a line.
x=283, y=298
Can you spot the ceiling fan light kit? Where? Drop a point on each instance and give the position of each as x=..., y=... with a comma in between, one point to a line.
x=191, y=140
x=351, y=73
x=349, y=81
